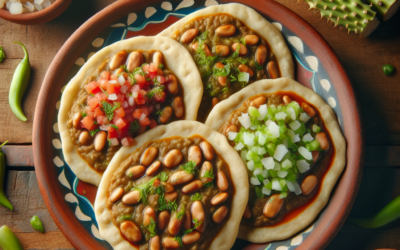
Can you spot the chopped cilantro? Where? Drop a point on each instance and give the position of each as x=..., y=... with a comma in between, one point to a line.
x=2, y=55
x=242, y=41
x=181, y=213
x=124, y=68
x=258, y=66
x=93, y=132
x=133, y=127
x=151, y=227
x=225, y=90
x=114, y=126
x=108, y=109
x=190, y=167
x=145, y=189
x=163, y=176
x=83, y=114
x=291, y=176
x=159, y=112
x=209, y=174
x=155, y=90
x=165, y=205
x=225, y=71
x=179, y=240
x=124, y=217
x=160, y=66
x=208, y=184
x=196, y=224
x=196, y=197
x=259, y=193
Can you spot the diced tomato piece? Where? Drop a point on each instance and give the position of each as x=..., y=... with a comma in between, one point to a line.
x=160, y=72
x=120, y=98
x=153, y=75
x=153, y=67
x=98, y=112
x=110, y=88
x=105, y=75
x=141, y=98
x=160, y=96
x=140, y=79
x=137, y=113
x=129, y=141
x=101, y=96
x=145, y=121
x=92, y=87
x=153, y=123
x=129, y=118
x=89, y=112
x=135, y=88
x=103, y=83
x=112, y=133
x=145, y=110
x=120, y=112
x=127, y=84
x=114, y=77
x=146, y=68
x=120, y=123
x=129, y=110
x=87, y=122
x=156, y=183
x=151, y=109
x=117, y=88
x=161, y=79
x=93, y=102
x=102, y=120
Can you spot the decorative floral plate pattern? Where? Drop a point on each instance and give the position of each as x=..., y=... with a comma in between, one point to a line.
x=309, y=71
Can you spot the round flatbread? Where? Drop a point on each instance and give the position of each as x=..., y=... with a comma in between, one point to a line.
x=252, y=20
x=178, y=61
x=226, y=236
x=221, y=113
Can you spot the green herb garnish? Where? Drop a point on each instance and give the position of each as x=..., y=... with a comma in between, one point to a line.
x=124, y=217
x=159, y=112
x=179, y=240
x=83, y=114
x=155, y=90
x=181, y=213
x=259, y=193
x=196, y=224
x=160, y=66
x=145, y=189
x=163, y=176
x=196, y=197
x=151, y=227
x=108, y=109
x=165, y=205
x=2, y=54
x=258, y=66
x=133, y=127
x=190, y=167
x=93, y=132
x=114, y=126
x=209, y=174
x=208, y=184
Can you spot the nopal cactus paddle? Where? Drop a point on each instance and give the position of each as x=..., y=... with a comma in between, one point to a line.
x=385, y=8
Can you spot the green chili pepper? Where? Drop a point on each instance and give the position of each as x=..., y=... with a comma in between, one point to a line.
x=388, y=214
x=18, y=85
x=8, y=240
x=3, y=199
x=387, y=69
x=2, y=55
x=37, y=224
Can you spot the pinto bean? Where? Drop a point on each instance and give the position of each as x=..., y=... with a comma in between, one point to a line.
x=180, y=177
x=163, y=219
x=173, y=158
x=192, y=187
x=244, y=68
x=189, y=35
x=256, y=103
x=308, y=184
x=272, y=70
x=135, y=172
x=100, y=140
x=251, y=39
x=166, y=114
x=168, y=187
x=205, y=48
x=286, y=99
x=197, y=212
x=247, y=212
x=220, y=214
x=214, y=101
x=157, y=58
x=173, y=84
x=154, y=243
x=315, y=155
x=261, y=55
x=174, y=225
x=170, y=243
x=177, y=105
x=222, y=181
x=191, y=238
x=116, y=194
x=135, y=60
x=207, y=149
x=152, y=170
x=76, y=120
x=148, y=156
x=131, y=231
x=187, y=221
x=222, y=50
x=273, y=206
x=242, y=50
x=171, y=196
x=219, y=198
x=221, y=79
x=204, y=169
x=308, y=109
x=323, y=141
x=225, y=30
x=84, y=138
x=148, y=214
x=131, y=198
x=118, y=60
x=194, y=154
x=231, y=128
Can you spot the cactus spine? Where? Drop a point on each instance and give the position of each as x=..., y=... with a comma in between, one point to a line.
x=385, y=8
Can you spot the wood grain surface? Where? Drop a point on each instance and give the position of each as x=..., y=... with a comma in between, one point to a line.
x=378, y=96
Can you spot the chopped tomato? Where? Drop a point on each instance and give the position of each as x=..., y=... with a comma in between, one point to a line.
x=153, y=123
x=93, y=102
x=102, y=120
x=137, y=113
x=141, y=98
x=101, y=96
x=128, y=141
x=103, y=83
x=135, y=88
x=105, y=75
x=120, y=123
x=120, y=98
x=160, y=72
x=87, y=122
x=120, y=112
x=145, y=110
x=110, y=88
x=89, y=112
x=151, y=109
x=153, y=67
x=98, y=112
x=153, y=75
x=161, y=79
x=156, y=183
x=129, y=110
x=146, y=68
x=140, y=79
x=92, y=88
x=112, y=133
x=145, y=121
x=114, y=77
x=117, y=88
x=160, y=96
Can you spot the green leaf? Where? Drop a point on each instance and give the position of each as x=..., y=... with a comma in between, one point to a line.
x=124, y=217
x=259, y=193
x=93, y=132
x=258, y=66
x=181, y=213
x=163, y=176
x=164, y=205
x=133, y=127
x=203, y=36
x=160, y=66
x=196, y=197
x=155, y=90
x=242, y=41
x=124, y=68
x=83, y=114
x=145, y=189
x=2, y=54
x=196, y=224
x=179, y=240
x=190, y=167
x=225, y=71
x=114, y=126
x=159, y=112
x=108, y=109
x=208, y=184
x=151, y=227
x=209, y=174
x=387, y=69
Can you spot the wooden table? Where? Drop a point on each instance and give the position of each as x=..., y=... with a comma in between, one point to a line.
x=362, y=59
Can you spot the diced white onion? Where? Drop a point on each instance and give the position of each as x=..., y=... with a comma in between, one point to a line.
x=112, y=97
x=29, y=6
x=282, y=173
x=277, y=166
x=285, y=143
x=262, y=139
x=295, y=125
x=125, y=104
x=38, y=1
x=121, y=79
x=304, y=117
x=38, y=6
x=286, y=164
x=276, y=185
x=263, y=110
x=294, y=187
x=239, y=146
x=261, y=151
x=104, y=127
x=268, y=163
x=248, y=139
x=280, y=115
x=250, y=165
x=303, y=166
x=266, y=191
x=245, y=120
x=257, y=171
x=131, y=101
x=114, y=142
x=142, y=117
x=274, y=129
x=265, y=173
x=124, y=89
x=268, y=122
x=280, y=152
x=307, y=137
x=295, y=138
x=305, y=153
x=135, y=94
x=253, y=127
x=243, y=154
x=16, y=8
x=45, y=4
x=265, y=182
x=112, y=81
x=292, y=114
x=254, y=181
x=232, y=135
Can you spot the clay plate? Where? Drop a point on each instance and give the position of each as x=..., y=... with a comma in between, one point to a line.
x=317, y=67
x=38, y=17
